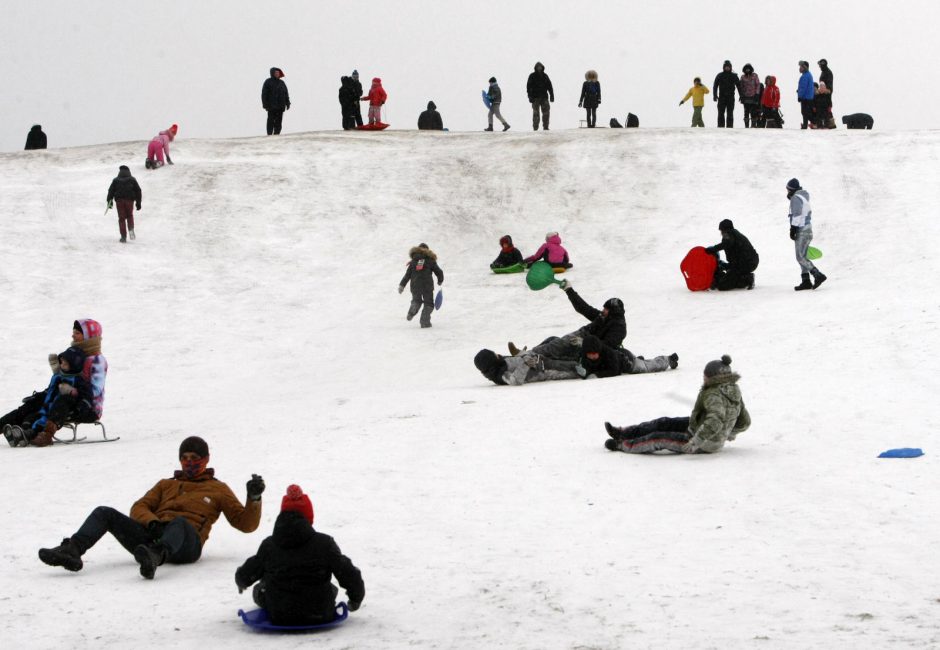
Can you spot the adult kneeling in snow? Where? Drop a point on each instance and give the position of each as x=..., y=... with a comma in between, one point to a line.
x=718, y=416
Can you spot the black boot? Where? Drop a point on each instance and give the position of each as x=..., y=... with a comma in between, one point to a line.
x=149, y=557
x=612, y=444
x=818, y=277
x=612, y=431
x=66, y=555
x=673, y=360
x=805, y=284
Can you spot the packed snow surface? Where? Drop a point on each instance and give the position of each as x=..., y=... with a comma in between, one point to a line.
x=258, y=309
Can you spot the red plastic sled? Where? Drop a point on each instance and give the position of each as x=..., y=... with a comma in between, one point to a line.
x=378, y=126
x=698, y=269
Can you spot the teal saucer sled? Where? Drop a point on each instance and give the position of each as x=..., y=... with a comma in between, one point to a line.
x=540, y=275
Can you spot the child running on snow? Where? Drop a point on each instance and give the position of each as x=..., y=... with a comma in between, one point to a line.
x=697, y=92
x=293, y=568
x=718, y=416
x=508, y=256
x=376, y=99
x=423, y=263
x=159, y=147
x=551, y=251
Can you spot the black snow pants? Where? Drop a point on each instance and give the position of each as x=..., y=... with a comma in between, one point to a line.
x=421, y=295
x=274, y=122
x=65, y=408
x=662, y=433
x=726, y=105
x=179, y=538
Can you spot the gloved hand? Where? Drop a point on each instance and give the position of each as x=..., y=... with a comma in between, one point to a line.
x=710, y=250
x=66, y=389
x=54, y=362
x=401, y=288
x=241, y=585
x=533, y=361
x=681, y=103
x=288, y=107
x=715, y=98
x=579, y=105
x=155, y=529
x=255, y=487
x=138, y=206
x=793, y=232
x=110, y=203
x=353, y=605
x=564, y=285
x=582, y=373
x=440, y=283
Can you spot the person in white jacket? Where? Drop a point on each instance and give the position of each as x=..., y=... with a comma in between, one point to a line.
x=801, y=232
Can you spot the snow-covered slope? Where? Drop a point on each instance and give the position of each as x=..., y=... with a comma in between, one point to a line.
x=258, y=308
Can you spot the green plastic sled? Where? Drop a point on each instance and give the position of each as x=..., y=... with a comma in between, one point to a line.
x=515, y=268
x=540, y=275
x=813, y=253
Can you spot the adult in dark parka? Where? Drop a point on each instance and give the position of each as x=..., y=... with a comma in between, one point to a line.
x=540, y=92
x=275, y=100
x=430, y=120
x=726, y=83
x=295, y=566
x=825, y=74
x=35, y=139
x=357, y=86
x=858, y=121
x=420, y=272
x=125, y=191
x=348, y=102
x=599, y=361
x=738, y=271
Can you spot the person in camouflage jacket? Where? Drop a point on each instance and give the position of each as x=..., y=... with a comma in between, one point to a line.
x=718, y=416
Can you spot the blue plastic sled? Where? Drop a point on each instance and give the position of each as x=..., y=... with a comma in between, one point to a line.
x=902, y=452
x=439, y=299
x=486, y=99
x=258, y=620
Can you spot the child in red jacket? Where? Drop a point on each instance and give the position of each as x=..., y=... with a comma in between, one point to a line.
x=376, y=99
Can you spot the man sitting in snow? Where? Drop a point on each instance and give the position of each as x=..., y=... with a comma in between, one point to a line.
x=170, y=523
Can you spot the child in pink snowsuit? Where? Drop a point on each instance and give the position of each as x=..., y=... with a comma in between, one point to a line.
x=158, y=146
x=551, y=251
x=376, y=98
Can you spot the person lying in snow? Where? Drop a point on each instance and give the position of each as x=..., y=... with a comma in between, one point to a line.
x=170, y=523
x=293, y=568
x=16, y=425
x=599, y=361
x=524, y=368
x=508, y=256
x=718, y=416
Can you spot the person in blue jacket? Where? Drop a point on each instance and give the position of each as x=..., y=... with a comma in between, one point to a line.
x=805, y=92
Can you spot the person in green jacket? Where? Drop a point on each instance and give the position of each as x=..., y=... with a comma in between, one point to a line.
x=718, y=416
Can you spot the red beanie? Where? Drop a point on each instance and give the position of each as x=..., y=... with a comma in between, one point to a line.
x=295, y=500
x=174, y=129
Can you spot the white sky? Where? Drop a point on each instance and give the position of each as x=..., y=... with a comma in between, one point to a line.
x=110, y=71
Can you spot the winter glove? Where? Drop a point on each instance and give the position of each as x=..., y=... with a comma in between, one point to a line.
x=255, y=487
x=241, y=585
x=66, y=389
x=168, y=161
x=582, y=373
x=155, y=529
x=401, y=288
x=793, y=232
x=681, y=103
x=579, y=105
x=288, y=107
x=564, y=285
x=710, y=250
x=54, y=362
x=715, y=98
x=353, y=605
x=138, y=206
x=110, y=204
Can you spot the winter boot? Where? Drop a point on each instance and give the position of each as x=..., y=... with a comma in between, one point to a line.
x=44, y=437
x=612, y=444
x=149, y=557
x=673, y=360
x=131, y=233
x=505, y=127
x=489, y=128
x=13, y=434
x=818, y=277
x=413, y=310
x=148, y=163
x=805, y=284
x=750, y=281
x=612, y=431
x=66, y=555
x=514, y=351
x=123, y=240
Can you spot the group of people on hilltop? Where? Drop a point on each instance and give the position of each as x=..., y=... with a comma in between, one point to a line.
x=761, y=99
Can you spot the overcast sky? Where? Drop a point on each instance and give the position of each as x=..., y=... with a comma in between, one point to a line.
x=106, y=71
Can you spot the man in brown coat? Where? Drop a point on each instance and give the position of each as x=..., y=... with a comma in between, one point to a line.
x=170, y=523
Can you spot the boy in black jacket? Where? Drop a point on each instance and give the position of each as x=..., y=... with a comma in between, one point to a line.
x=508, y=256
x=423, y=263
x=295, y=566
x=599, y=361
x=738, y=271
x=126, y=191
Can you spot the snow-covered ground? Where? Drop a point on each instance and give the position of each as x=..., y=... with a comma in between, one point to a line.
x=258, y=308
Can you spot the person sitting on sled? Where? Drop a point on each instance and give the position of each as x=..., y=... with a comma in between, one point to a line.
x=508, y=256
x=170, y=523
x=293, y=568
x=86, y=336
x=376, y=99
x=551, y=251
x=718, y=417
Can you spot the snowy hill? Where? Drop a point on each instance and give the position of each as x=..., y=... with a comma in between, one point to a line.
x=258, y=308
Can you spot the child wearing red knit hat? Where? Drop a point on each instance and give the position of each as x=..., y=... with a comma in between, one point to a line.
x=294, y=566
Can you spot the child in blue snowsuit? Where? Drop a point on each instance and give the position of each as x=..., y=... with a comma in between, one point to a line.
x=68, y=397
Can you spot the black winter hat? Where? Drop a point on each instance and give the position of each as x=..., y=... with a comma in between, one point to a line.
x=727, y=64
x=718, y=367
x=432, y=106
x=748, y=68
x=75, y=358
x=196, y=445
x=614, y=306
x=123, y=167
x=486, y=360
x=492, y=80
x=725, y=225
x=591, y=344
x=823, y=62
x=422, y=245
x=793, y=185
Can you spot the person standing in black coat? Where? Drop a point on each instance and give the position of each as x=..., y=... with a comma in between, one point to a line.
x=738, y=271
x=294, y=569
x=421, y=269
x=275, y=100
x=726, y=83
x=590, y=97
x=35, y=139
x=348, y=103
x=430, y=120
x=540, y=91
x=125, y=191
x=825, y=74
x=357, y=89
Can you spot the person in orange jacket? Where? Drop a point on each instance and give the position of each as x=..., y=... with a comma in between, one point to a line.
x=170, y=523
x=376, y=99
